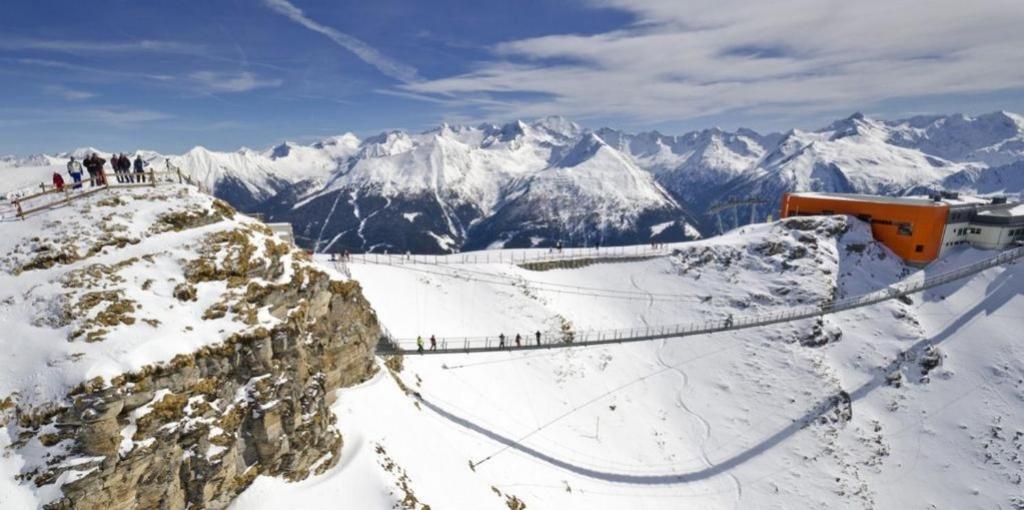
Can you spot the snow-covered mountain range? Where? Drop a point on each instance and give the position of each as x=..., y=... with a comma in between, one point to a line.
x=550, y=180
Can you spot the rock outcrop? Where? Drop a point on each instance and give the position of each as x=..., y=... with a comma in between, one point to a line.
x=195, y=430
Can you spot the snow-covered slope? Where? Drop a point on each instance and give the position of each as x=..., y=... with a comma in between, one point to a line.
x=151, y=344
x=899, y=405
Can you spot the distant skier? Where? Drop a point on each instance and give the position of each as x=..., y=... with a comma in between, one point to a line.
x=419, y=344
x=501, y=341
x=433, y=343
x=58, y=181
x=538, y=337
x=519, y=339
x=75, y=171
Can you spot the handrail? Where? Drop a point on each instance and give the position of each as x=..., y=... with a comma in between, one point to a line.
x=152, y=178
x=627, y=335
x=528, y=256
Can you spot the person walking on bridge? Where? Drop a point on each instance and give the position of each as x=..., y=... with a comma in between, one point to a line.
x=501, y=341
x=75, y=171
x=419, y=344
x=433, y=343
x=538, y=337
x=519, y=339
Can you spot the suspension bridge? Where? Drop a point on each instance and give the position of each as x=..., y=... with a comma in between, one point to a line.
x=568, y=339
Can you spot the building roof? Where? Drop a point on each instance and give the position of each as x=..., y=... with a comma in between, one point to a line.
x=878, y=199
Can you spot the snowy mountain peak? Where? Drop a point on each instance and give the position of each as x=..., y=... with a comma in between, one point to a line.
x=347, y=139
x=558, y=125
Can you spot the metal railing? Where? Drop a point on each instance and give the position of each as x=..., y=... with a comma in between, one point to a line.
x=565, y=339
x=52, y=196
x=516, y=256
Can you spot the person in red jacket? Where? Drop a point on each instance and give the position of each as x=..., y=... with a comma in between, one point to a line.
x=58, y=181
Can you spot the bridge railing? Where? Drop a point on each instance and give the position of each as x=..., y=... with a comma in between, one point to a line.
x=513, y=256
x=549, y=339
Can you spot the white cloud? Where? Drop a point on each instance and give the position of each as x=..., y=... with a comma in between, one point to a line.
x=706, y=57
x=68, y=93
x=108, y=116
x=385, y=65
x=92, y=47
x=213, y=81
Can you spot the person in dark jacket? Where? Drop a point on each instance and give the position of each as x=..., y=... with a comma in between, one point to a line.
x=501, y=341
x=87, y=163
x=519, y=340
x=140, y=169
x=126, y=167
x=101, y=173
x=433, y=343
x=115, y=165
x=94, y=164
x=538, y=337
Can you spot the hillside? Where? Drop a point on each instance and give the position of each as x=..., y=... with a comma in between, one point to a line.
x=161, y=350
x=904, y=404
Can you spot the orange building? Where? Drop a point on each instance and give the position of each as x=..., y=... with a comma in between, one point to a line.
x=913, y=228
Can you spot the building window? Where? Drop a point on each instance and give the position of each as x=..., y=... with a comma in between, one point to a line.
x=919, y=248
x=904, y=229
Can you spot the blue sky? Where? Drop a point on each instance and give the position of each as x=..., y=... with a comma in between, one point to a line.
x=168, y=75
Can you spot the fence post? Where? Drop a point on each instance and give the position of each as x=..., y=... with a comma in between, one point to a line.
x=152, y=177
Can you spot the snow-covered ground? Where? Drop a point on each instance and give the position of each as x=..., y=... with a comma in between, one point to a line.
x=851, y=412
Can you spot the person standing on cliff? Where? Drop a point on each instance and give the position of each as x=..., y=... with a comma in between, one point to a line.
x=75, y=171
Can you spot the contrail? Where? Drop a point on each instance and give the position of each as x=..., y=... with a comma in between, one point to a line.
x=362, y=50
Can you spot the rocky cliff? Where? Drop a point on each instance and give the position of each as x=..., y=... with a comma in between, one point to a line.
x=193, y=429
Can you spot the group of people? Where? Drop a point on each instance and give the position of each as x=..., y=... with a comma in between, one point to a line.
x=123, y=167
x=501, y=341
x=93, y=164
x=342, y=257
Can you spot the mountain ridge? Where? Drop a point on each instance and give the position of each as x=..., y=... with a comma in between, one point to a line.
x=544, y=182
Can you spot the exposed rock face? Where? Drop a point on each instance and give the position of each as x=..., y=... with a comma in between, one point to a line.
x=205, y=425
